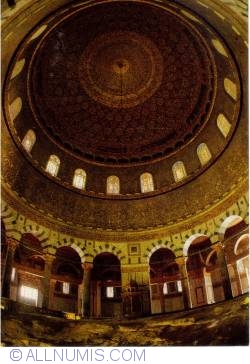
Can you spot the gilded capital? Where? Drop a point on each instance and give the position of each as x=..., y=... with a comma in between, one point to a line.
x=12, y=244
x=87, y=266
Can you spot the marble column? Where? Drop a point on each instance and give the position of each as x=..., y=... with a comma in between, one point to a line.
x=87, y=268
x=46, y=281
x=79, y=300
x=237, y=278
x=222, y=263
x=11, y=247
x=187, y=302
x=162, y=297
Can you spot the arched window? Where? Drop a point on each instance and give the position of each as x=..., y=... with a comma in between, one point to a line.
x=179, y=171
x=223, y=125
x=230, y=88
x=147, y=183
x=53, y=165
x=29, y=140
x=203, y=153
x=113, y=185
x=79, y=180
x=18, y=68
x=15, y=107
x=219, y=47
x=38, y=32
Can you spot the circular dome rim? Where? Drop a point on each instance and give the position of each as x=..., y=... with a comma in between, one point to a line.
x=158, y=191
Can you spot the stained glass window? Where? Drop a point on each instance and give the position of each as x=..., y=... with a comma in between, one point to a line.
x=53, y=165
x=113, y=185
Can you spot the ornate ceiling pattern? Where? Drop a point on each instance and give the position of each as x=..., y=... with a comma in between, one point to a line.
x=129, y=92
x=101, y=93
x=133, y=93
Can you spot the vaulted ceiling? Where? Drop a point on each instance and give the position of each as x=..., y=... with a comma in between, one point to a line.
x=123, y=88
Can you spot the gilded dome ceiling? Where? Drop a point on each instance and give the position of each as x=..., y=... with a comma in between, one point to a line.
x=129, y=90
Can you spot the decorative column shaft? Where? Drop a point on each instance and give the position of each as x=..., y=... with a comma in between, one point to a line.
x=46, y=282
x=185, y=283
x=237, y=278
x=11, y=247
x=79, y=300
x=221, y=259
x=87, y=267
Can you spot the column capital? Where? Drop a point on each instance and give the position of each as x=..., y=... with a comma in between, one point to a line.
x=181, y=260
x=12, y=243
x=87, y=266
x=49, y=258
x=218, y=247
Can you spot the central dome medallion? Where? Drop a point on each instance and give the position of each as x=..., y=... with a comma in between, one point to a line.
x=121, y=69
x=133, y=87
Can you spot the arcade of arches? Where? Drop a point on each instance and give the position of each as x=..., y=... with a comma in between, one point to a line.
x=124, y=156
x=205, y=273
